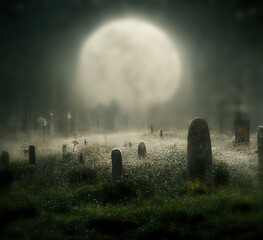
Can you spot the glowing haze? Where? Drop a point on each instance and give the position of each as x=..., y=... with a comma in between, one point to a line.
x=130, y=62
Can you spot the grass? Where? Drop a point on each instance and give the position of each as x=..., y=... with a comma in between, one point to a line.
x=152, y=200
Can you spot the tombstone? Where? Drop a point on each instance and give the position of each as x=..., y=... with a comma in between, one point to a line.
x=142, y=150
x=199, y=152
x=242, y=131
x=116, y=159
x=64, y=148
x=260, y=145
x=32, y=155
x=4, y=160
x=66, y=155
x=161, y=133
x=5, y=173
x=81, y=158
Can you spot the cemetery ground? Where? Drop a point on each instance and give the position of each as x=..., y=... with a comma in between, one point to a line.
x=71, y=198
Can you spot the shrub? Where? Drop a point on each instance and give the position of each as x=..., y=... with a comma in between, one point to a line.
x=81, y=175
x=121, y=191
x=22, y=170
x=221, y=174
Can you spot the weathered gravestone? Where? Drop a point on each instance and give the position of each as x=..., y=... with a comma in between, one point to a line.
x=116, y=159
x=260, y=145
x=5, y=174
x=242, y=131
x=32, y=155
x=199, y=152
x=142, y=150
x=161, y=133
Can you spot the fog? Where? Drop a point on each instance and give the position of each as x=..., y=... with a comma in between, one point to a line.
x=122, y=65
x=131, y=119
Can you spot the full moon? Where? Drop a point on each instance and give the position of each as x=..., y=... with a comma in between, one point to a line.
x=130, y=62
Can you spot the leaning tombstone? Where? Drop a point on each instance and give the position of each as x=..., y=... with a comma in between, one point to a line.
x=242, y=131
x=116, y=159
x=260, y=145
x=199, y=152
x=5, y=173
x=32, y=155
x=142, y=150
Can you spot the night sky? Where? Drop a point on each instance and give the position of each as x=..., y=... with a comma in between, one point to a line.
x=40, y=40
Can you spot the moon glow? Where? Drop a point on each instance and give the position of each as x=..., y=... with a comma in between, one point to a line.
x=128, y=61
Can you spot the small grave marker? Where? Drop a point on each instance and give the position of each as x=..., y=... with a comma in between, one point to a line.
x=4, y=160
x=161, y=133
x=64, y=148
x=6, y=176
x=32, y=155
x=242, y=131
x=116, y=159
x=142, y=150
x=260, y=145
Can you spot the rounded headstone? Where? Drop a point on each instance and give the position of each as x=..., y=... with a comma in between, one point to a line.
x=260, y=145
x=199, y=152
x=32, y=155
x=116, y=159
x=142, y=150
